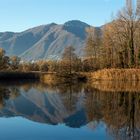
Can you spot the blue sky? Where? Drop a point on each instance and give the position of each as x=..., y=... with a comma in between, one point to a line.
x=18, y=15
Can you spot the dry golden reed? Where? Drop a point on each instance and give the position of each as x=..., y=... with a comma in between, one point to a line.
x=116, y=75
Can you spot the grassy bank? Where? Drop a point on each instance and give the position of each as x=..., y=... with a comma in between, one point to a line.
x=116, y=75
x=55, y=78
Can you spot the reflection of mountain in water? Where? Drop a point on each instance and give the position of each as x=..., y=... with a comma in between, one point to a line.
x=47, y=106
x=76, y=106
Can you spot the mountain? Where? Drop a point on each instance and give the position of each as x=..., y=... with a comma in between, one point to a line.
x=46, y=41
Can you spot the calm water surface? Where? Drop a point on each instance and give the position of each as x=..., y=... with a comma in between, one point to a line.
x=34, y=111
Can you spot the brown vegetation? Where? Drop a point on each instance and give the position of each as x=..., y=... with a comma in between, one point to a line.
x=116, y=74
x=119, y=45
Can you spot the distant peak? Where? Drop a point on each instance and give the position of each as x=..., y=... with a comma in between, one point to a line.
x=75, y=23
x=52, y=24
x=76, y=27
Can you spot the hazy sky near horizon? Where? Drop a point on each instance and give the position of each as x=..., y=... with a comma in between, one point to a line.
x=19, y=15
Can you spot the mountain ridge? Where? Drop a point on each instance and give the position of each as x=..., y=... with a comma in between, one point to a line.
x=45, y=41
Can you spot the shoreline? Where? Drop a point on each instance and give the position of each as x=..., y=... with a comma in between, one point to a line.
x=100, y=75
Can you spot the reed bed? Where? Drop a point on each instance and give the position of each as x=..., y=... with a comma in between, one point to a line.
x=116, y=75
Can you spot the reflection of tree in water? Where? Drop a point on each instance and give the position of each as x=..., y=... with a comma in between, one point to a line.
x=69, y=94
x=6, y=94
x=92, y=104
x=129, y=101
x=119, y=110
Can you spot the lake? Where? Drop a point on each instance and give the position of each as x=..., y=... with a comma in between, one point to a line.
x=102, y=111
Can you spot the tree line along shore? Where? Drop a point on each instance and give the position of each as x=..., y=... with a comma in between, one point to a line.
x=113, y=53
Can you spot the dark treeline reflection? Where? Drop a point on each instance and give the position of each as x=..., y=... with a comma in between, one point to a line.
x=6, y=94
x=119, y=110
x=75, y=105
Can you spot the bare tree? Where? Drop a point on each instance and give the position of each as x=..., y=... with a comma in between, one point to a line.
x=128, y=27
x=69, y=58
x=121, y=37
x=92, y=45
x=15, y=61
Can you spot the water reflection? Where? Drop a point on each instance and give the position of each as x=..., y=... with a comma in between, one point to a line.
x=115, y=105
